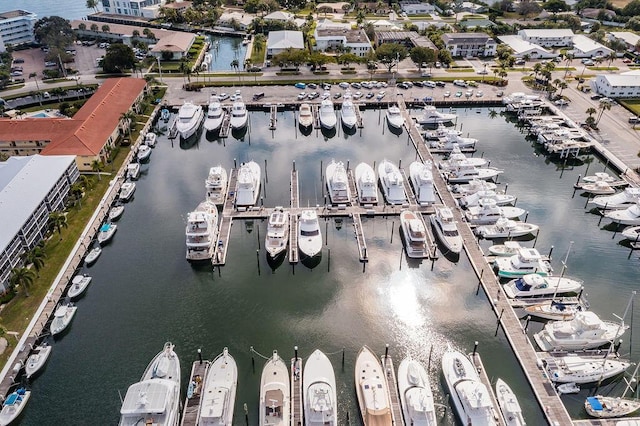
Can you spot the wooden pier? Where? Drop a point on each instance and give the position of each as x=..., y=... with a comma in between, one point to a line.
x=359, y=233
x=273, y=117
x=192, y=405
x=477, y=362
x=407, y=190
x=315, y=108
x=294, y=255
x=225, y=128
x=353, y=189
x=392, y=385
x=224, y=232
x=295, y=190
x=359, y=120
x=296, y=391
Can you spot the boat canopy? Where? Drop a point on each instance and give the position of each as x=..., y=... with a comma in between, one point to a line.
x=594, y=403
x=147, y=397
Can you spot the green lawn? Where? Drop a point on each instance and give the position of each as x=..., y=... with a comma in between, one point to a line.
x=632, y=105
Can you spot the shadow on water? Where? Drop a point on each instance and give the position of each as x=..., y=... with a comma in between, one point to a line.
x=275, y=262
x=349, y=130
x=213, y=135
x=328, y=133
x=305, y=130
x=394, y=130
x=312, y=261
x=190, y=142
x=239, y=134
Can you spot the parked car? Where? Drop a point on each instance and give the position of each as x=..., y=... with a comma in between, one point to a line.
x=344, y=85
x=50, y=64
x=356, y=85
x=313, y=95
x=370, y=95
x=337, y=95
x=18, y=61
x=447, y=94
x=326, y=86
x=561, y=102
x=440, y=83
x=302, y=96
x=300, y=85
x=500, y=93
x=402, y=85
x=381, y=95
x=254, y=69
x=223, y=96
x=430, y=84
x=258, y=96
x=312, y=86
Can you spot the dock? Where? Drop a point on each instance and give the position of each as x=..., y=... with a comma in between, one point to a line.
x=295, y=190
x=296, y=391
x=359, y=120
x=407, y=189
x=224, y=232
x=353, y=189
x=392, y=385
x=273, y=117
x=294, y=255
x=477, y=362
x=359, y=233
x=315, y=108
x=225, y=128
x=192, y=405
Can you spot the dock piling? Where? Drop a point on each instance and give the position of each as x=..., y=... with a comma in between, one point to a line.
x=526, y=324
x=475, y=348
x=550, y=251
x=328, y=260
x=343, y=359
x=386, y=350
x=246, y=414
x=479, y=282
x=253, y=361
x=498, y=322
x=200, y=355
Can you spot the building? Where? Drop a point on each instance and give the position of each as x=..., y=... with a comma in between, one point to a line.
x=16, y=28
x=333, y=39
x=470, y=7
x=584, y=47
x=89, y=135
x=279, y=16
x=522, y=47
x=408, y=39
x=627, y=37
x=548, y=37
x=236, y=20
x=415, y=7
x=279, y=41
x=140, y=8
x=469, y=44
x=625, y=85
x=30, y=189
x=178, y=44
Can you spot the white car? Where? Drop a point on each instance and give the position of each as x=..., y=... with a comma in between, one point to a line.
x=561, y=102
x=223, y=96
x=302, y=95
x=344, y=85
x=326, y=95
x=479, y=94
x=447, y=94
x=357, y=95
x=381, y=95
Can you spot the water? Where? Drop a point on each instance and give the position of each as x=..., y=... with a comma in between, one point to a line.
x=144, y=292
x=225, y=50
x=69, y=9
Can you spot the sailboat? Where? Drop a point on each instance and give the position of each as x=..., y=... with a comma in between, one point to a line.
x=606, y=407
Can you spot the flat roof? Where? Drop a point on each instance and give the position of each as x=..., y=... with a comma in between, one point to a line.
x=520, y=45
x=585, y=44
x=285, y=40
x=628, y=36
x=15, y=14
x=622, y=80
x=352, y=36
x=551, y=32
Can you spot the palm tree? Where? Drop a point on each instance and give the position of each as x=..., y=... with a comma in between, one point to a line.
x=590, y=111
x=235, y=64
x=612, y=57
x=76, y=191
x=35, y=257
x=22, y=277
x=562, y=85
x=85, y=182
x=57, y=221
x=35, y=77
x=128, y=118
x=94, y=28
x=92, y=4
x=604, y=106
x=105, y=28
x=526, y=57
x=97, y=165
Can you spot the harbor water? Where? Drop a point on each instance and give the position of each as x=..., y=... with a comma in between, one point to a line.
x=144, y=292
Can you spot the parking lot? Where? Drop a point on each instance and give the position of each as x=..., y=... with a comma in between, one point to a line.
x=34, y=60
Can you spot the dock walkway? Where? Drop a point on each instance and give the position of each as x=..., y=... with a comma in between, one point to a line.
x=192, y=405
x=296, y=391
x=392, y=385
x=225, y=128
x=359, y=120
x=273, y=117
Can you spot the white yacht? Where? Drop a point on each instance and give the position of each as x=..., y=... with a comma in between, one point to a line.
x=248, y=184
x=189, y=118
x=415, y=234
x=275, y=393
x=473, y=186
x=508, y=248
x=465, y=172
x=506, y=228
x=215, y=115
x=422, y=181
x=338, y=183
x=348, y=112
x=239, y=115
x=37, y=359
x=582, y=370
x=471, y=398
x=62, y=317
x=618, y=201
x=527, y=261
x=446, y=229
x=585, y=331
x=430, y=115
x=328, y=117
x=632, y=233
x=628, y=216
x=598, y=188
x=416, y=396
x=155, y=399
x=305, y=116
x=470, y=200
x=275, y=242
x=133, y=171
x=216, y=184
x=392, y=183
x=534, y=285
x=79, y=284
x=457, y=157
x=366, y=184
x=126, y=191
x=143, y=154
x=309, y=236
x=372, y=390
x=319, y=391
x=487, y=212
x=509, y=405
x=394, y=117
x=201, y=231
x=93, y=255
x=150, y=139
x=219, y=392
x=554, y=310
x=106, y=233
x=451, y=140
x=13, y=405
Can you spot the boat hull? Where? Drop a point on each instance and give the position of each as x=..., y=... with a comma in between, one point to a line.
x=37, y=360
x=319, y=391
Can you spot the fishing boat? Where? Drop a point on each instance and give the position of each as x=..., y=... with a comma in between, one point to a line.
x=372, y=390
x=106, y=233
x=567, y=388
x=309, y=236
x=215, y=115
x=239, y=115
x=366, y=184
x=277, y=237
x=506, y=228
x=248, y=184
x=422, y=181
x=583, y=370
x=598, y=188
x=509, y=405
x=13, y=405
x=37, y=359
x=348, y=112
x=527, y=261
x=189, y=118
x=618, y=201
x=508, y=248
x=628, y=216
x=554, y=310
x=395, y=120
x=79, y=284
x=471, y=200
x=632, y=233
x=465, y=172
x=456, y=157
x=534, y=285
x=319, y=391
x=471, y=398
x=150, y=139
x=126, y=191
x=430, y=115
x=305, y=116
x=328, y=117
x=219, y=392
x=275, y=393
x=473, y=186
x=392, y=183
x=415, y=235
x=599, y=177
x=607, y=407
x=446, y=229
x=416, y=396
x=116, y=212
x=338, y=183
x=62, y=317
x=143, y=154
x=133, y=171
x=155, y=399
x=201, y=231
x=93, y=255
x=216, y=184
x=487, y=212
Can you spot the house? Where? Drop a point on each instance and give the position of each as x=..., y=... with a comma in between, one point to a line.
x=279, y=41
x=89, y=135
x=30, y=189
x=547, y=37
x=469, y=44
x=280, y=16
x=625, y=85
x=415, y=7
x=334, y=39
x=408, y=39
x=238, y=20
x=522, y=47
x=16, y=28
x=384, y=25
x=331, y=7
x=178, y=44
x=584, y=47
x=631, y=39
x=467, y=6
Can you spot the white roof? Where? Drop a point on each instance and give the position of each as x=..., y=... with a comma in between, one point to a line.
x=585, y=44
x=521, y=46
x=627, y=36
x=553, y=32
x=621, y=80
x=285, y=40
x=279, y=16
x=24, y=183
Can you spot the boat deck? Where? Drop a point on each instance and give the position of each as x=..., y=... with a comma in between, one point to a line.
x=477, y=362
x=392, y=385
x=225, y=128
x=192, y=405
x=296, y=391
x=273, y=117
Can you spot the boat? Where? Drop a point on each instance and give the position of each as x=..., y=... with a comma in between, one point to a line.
x=79, y=284
x=13, y=405
x=509, y=248
x=416, y=396
x=466, y=172
x=457, y=157
x=366, y=184
x=452, y=141
x=632, y=233
x=239, y=115
x=606, y=407
x=487, y=212
x=115, y=212
x=216, y=184
x=628, y=216
x=275, y=393
x=328, y=117
x=527, y=261
x=201, y=231
x=585, y=331
x=165, y=114
x=505, y=228
x=554, y=310
x=567, y=388
x=582, y=370
x=62, y=317
x=133, y=171
x=395, y=119
x=215, y=115
x=189, y=118
x=473, y=186
x=155, y=399
x=338, y=183
x=37, y=359
x=93, y=255
x=430, y=115
x=621, y=200
x=150, y=139
x=415, y=235
x=598, y=188
x=471, y=398
x=126, y=191
x=599, y=177
x=144, y=152
x=446, y=229
x=534, y=285
x=509, y=405
x=305, y=116
x=219, y=392
x=348, y=112
x=248, y=184
x=471, y=200
x=107, y=232
x=309, y=236
x=319, y=391
x=372, y=390
x=275, y=242
x=422, y=181
x=392, y=183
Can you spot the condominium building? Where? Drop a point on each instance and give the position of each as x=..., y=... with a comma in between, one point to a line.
x=469, y=44
x=131, y=7
x=16, y=28
x=552, y=37
x=334, y=39
x=625, y=85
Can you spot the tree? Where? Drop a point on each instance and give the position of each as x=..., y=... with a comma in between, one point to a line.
x=76, y=191
x=555, y=6
x=105, y=28
x=562, y=85
x=390, y=54
x=57, y=221
x=590, y=111
x=525, y=58
x=612, y=57
x=92, y=4
x=421, y=55
x=135, y=33
x=528, y=7
x=94, y=28
x=35, y=257
x=82, y=26
x=128, y=118
x=54, y=32
x=118, y=59
x=603, y=106
x=235, y=64
x=35, y=77
x=22, y=277
x=348, y=58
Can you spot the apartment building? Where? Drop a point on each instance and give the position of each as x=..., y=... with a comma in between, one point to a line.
x=16, y=28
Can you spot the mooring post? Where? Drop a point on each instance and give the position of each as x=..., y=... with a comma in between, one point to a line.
x=258, y=260
x=253, y=361
x=430, y=353
x=200, y=355
x=295, y=353
x=550, y=251
x=526, y=324
x=498, y=322
x=386, y=351
x=479, y=281
x=328, y=260
x=235, y=164
x=392, y=226
x=246, y=414
x=294, y=165
x=475, y=348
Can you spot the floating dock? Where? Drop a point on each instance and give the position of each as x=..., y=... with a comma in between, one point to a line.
x=296, y=391
x=294, y=254
x=359, y=233
x=192, y=405
x=359, y=121
x=273, y=117
x=315, y=108
x=225, y=128
x=392, y=385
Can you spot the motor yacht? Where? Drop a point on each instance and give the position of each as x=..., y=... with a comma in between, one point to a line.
x=155, y=399
x=598, y=188
x=79, y=285
x=366, y=184
x=338, y=183
x=216, y=185
x=309, y=236
x=452, y=140
x=219, y=392
x=202, y=231
x=430, y=115
x=348, y=112
x=150, y=139
x=13, y=405
x=93, y=255
x=508, y=248
x=319, y=391
x=583, y=370
x=422, y=181
x=509, y=405
x=275, y=393
x=133, y=171
x=277, y=232
x=372, y=390
x=446, y=229
x=416, y=396
x=628, y=216
x=116, y=212
x=554, y=310
x=487, y=212
x=473, y=186
x=392, y=183
x=305, y=116
x=599, y=177
x=465, y=172
x=474, y=199
x=62, y=317
x=239, y=115
x=106, y=232
x=37, y=359
x=534, y=285
x=618, y=201
x=126, y=191
x=215, y=115
x=505, y=228
x=328, y=117
x=248, y=184
x=143, y=154
x=457, y=157
x=189, y=118
x=607, y=407
x=395, y=120
x=415, y=234
x=527, y=261
x=632, y=233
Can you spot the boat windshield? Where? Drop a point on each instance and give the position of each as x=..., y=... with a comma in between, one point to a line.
x=312, y=233
x=522, y=285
